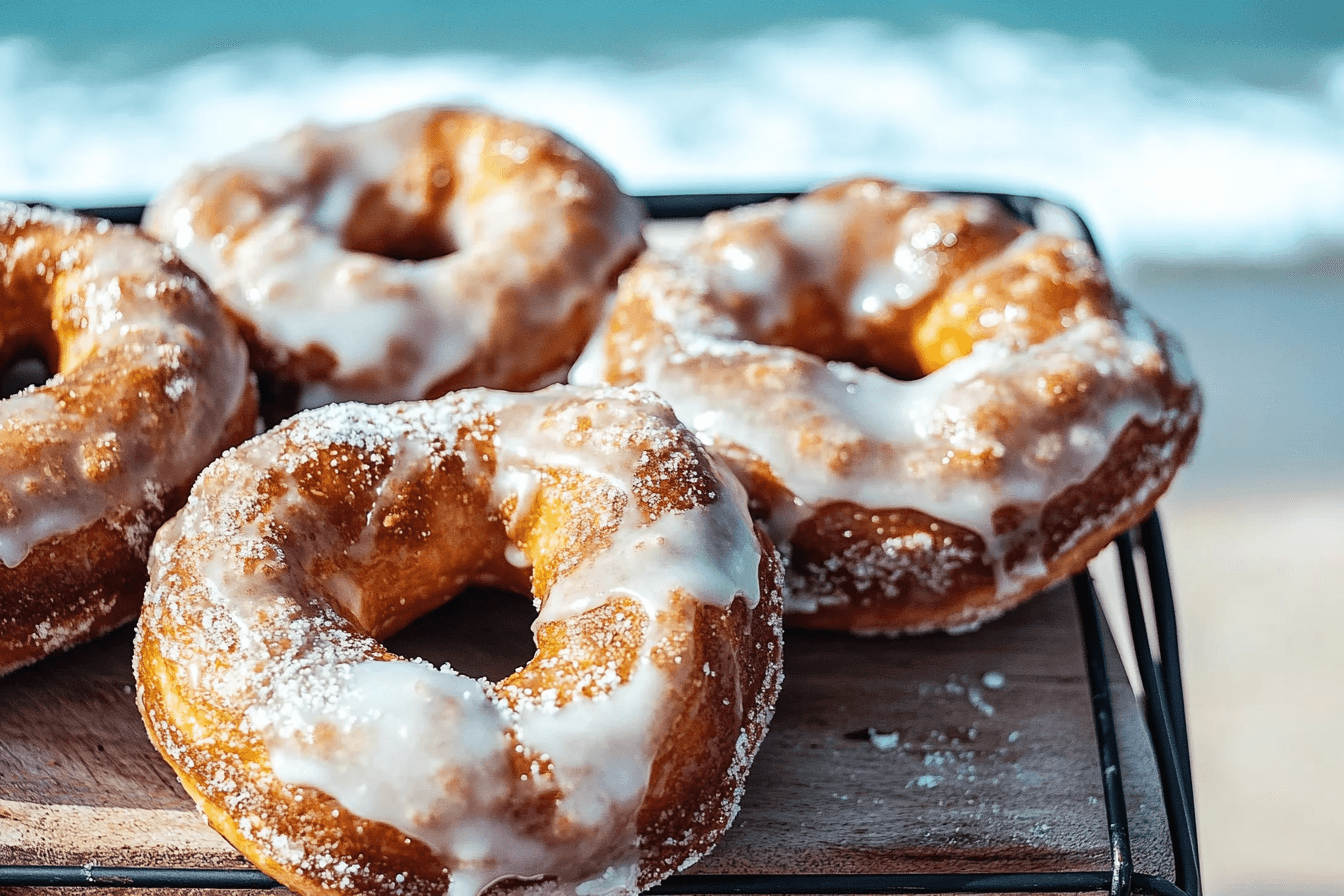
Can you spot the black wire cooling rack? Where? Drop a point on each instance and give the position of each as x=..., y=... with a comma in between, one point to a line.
x=1158, y=667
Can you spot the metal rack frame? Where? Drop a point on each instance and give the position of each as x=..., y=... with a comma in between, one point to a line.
x=1162, y=701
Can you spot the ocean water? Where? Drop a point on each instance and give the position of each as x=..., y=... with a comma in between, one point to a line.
x=1177, y=136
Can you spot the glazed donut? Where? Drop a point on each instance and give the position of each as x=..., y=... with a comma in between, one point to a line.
x=612, y=758
x=935, y=408
x=150, y=384
x=432, y=250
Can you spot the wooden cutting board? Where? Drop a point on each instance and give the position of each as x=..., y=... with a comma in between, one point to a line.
x=928, y=754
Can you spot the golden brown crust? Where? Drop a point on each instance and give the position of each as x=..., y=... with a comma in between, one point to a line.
x=936, y=410
x=466, y=249
x=686, y=803
x=944, y=580
x=1076, y=526
x=348, y=522
x=150, y=384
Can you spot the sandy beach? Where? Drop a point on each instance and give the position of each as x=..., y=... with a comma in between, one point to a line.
x=1261, y=606
x=1255, y=534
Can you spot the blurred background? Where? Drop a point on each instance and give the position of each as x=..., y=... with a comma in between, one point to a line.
x=1203, y=143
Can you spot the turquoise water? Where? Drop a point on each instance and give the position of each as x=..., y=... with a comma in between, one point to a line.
x=1212, y=131
x=1277, y=45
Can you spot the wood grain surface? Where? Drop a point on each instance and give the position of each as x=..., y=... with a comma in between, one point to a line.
x=928, y=754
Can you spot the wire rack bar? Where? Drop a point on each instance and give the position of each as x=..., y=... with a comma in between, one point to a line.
x=1108, y=750
x=1161, y=680
x=1164, y=611
x=146, y=878
x=668, y=206
x=117, y=214
x=697, y=205
x=94, y=876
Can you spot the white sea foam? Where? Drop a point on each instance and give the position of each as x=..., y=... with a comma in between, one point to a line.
x=1160, y=167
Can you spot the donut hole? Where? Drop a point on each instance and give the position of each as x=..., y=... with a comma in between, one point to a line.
x=23, y=371
x=820, y=325
x=854, y=272
x=378, y=225
x=481, y=633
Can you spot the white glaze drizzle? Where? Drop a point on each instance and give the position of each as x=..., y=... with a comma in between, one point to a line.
x=85, y=470
x=645, y=559
x=884, y=443
x=451, y=783
x=394, y=328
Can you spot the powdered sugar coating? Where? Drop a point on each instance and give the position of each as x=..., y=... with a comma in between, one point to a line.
x=549, y=774
x=395, y=259
x=1020, y=372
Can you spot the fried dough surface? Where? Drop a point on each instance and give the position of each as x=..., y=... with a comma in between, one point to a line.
x=936, y=409
x=611, y=759
x=150, y=383
x=431, y=250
